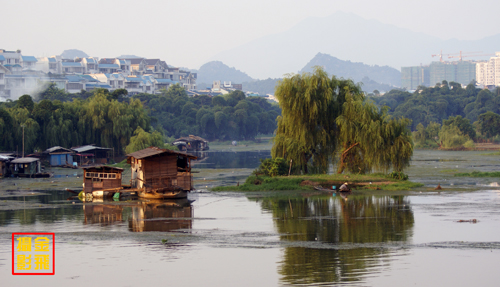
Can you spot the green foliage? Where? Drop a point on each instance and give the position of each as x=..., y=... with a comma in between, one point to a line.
x=143, y=139
x=319, y=113
x=228, y=117
x=479, y=174
x=371, y=139
x=398, y=175
x=307, y=132
x=451, y=137
x=272, y=167
x=98, y=119
x=426, y=137
x=462, y=124
x=489, y=124
x=436, y=104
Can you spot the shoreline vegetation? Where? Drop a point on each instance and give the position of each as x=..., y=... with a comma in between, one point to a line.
x=307, y=182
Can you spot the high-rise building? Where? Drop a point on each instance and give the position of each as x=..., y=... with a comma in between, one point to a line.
x=488, y=72
x=412, y=77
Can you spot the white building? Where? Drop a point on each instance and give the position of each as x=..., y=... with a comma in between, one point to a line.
x=488, y=73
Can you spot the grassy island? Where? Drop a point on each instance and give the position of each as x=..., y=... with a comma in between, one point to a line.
x=307, y=182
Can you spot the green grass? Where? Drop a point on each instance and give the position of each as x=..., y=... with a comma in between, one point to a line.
x=479, y=174
x=265, y=183
x=122, y=164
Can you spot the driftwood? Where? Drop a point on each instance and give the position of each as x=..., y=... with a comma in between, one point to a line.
x=470, y=221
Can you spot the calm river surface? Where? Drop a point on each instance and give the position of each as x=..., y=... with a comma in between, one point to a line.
x=267, y=238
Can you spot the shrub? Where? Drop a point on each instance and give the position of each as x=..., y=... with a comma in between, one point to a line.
x=398, y=175
x=272, y=167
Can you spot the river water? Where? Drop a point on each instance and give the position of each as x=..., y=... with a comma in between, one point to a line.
x=267, y=238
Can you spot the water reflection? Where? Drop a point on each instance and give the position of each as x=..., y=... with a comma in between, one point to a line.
x=143, y=216
x=345, y=230
x=161, y=216
x=230, y=159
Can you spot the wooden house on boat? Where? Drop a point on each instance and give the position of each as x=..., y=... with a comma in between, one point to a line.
x=102, y=181
x=191, y=143
x=27, y=167
x=160, y=173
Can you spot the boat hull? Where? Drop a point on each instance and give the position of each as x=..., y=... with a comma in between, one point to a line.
x=175, y=194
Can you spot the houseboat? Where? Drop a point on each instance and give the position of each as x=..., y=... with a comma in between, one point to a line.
x=160, y=173
x=102, y=181
x=191, y=143
x=27, y=167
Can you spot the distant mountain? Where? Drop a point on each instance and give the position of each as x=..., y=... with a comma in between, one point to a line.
x=349, y=37
x=73, y=53
x=354, y=71
x=128, y=57
x=218, y=71
x=262, y=87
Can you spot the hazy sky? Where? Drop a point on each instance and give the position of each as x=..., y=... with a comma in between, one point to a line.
x=187, y=33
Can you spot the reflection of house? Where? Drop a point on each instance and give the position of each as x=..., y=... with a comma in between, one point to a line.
x=161, y=173
x=105, y=214
x=59, y=156
x=102, y=178
x=191, y=143
x=161, y=216
x=91, y=154
x=25, y=167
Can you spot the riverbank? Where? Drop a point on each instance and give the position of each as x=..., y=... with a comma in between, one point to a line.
x=308, y=182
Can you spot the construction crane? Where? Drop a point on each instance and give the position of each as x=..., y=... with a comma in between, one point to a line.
x=475, y=55
x=454, y=55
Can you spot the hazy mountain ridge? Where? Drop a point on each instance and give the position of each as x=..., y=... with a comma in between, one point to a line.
x=354, y=71
x=73, y=53
x=347, y=36
x=218, y=71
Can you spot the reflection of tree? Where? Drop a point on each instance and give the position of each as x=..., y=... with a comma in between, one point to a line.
x=358, y=220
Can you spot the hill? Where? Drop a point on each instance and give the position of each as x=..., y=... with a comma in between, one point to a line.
x=216, y=70
x=73, y=53
x=355, y=71
x=347, y=36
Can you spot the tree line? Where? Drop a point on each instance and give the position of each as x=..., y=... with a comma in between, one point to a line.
x=227, y=117
x=447, y=115
x=114, y=120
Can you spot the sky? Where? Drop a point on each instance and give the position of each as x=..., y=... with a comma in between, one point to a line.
x=189, y=33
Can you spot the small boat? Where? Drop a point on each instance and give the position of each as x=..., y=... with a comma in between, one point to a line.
x=342, y=194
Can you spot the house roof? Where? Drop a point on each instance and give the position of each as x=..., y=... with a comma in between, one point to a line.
x=151, y=151
x=88, y=148
x=124, y=62
x=166, y=81
x=74, y=78
x=29, y=59
x=57, y=149
x=152, y=61
x=135, y=61
x=109, y=66
x=102, y=167
x=133, y=79
x=2, y=58
x=191, y=138
x=52, y=60
x=25, y=160
x=89, y=78
x=71, y=64
x=91, y=60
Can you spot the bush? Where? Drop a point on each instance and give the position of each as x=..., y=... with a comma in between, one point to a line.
x=272, y=167
x=398, y=175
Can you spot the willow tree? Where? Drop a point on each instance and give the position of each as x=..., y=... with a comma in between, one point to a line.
x=307, y=133
x=371, y=139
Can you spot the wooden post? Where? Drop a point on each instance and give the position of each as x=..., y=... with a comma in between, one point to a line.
x=290, y=169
